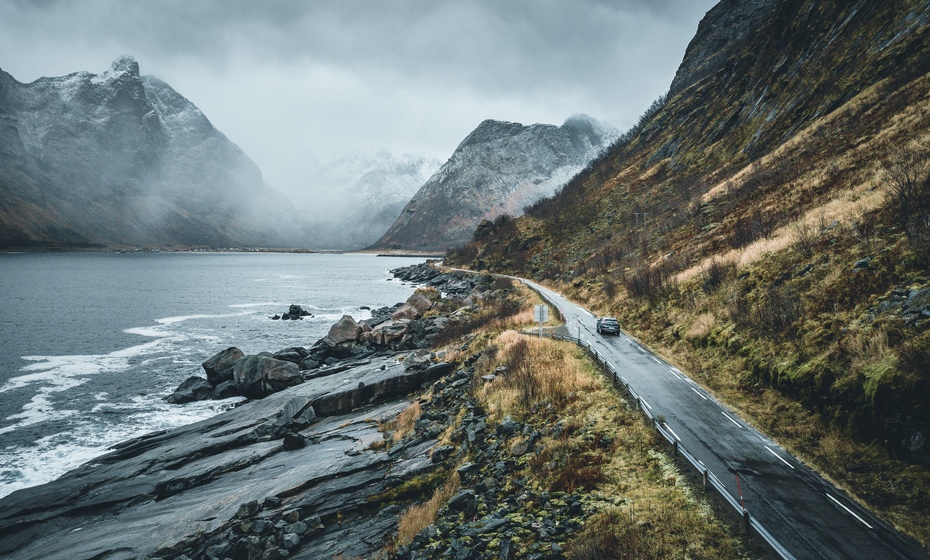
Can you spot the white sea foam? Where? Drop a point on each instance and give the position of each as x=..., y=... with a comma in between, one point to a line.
x=173, y=320
x=52, y=456
x=260, y=304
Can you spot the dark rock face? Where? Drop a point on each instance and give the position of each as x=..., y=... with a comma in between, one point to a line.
x=259, y=376
x=121, y=158
x=500, y=168
x=726, y=29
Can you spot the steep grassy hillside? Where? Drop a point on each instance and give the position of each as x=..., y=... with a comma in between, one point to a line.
x=768, y=226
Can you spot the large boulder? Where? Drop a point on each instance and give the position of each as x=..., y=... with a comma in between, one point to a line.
x=406, y=312
x=415, y=306
x=420, y=301
x=194, y=388
x=343, y=330
x=259, y=376
x=219, y=368
x=389, y=332
x=343, y=335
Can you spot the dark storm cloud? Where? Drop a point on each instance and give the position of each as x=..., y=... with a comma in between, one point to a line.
x=288, y=79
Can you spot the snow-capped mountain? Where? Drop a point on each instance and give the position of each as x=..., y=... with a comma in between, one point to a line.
x=123, y=159
x=351, y=201
x=500, y=168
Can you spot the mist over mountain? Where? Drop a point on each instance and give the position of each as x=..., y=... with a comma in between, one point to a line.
x=123, y=159
x=498, y=169
x=351, y=201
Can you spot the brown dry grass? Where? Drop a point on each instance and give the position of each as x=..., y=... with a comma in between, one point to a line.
x=418, y=517
x=399, y=426
x=644, y=507
x=539, y=371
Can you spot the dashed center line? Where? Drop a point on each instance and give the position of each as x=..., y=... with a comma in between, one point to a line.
x=779, y=457
x=730, y=419
x=698, y=393
x=851, y=512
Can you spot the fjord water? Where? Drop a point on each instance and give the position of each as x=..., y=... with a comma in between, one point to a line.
x=90, y=343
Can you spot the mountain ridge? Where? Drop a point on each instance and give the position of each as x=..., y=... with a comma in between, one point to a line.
x=123, y=159
x=498, y=168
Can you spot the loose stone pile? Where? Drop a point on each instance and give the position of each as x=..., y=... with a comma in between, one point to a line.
x=496, y=513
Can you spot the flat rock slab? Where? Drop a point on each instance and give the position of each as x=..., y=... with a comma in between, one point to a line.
x=167, y=488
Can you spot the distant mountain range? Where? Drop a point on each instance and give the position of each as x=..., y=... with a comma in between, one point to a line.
x=498, y=169
x=349, y=202
x=122, y=159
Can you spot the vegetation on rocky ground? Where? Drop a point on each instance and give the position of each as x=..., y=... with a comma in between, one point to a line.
x=546, y=460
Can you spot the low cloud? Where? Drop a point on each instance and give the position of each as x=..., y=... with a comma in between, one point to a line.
x=288, y=80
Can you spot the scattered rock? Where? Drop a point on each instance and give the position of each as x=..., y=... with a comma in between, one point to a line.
x=294, y=440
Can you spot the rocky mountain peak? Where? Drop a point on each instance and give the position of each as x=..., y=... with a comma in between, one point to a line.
x=118, y=158
x=125, y=64
x=499, y=168
x=491, y=129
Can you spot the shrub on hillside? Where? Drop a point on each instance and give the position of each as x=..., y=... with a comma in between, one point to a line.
x=907, y=176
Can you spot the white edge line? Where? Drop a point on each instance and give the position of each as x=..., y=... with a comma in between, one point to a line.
x=730, y=419
x=698, y=393
x=671, y=430
x=647, y=404
x=655, y=359
x=851, y=512
x=779, y=457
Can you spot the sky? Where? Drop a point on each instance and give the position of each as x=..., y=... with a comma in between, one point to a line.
x=296, y=82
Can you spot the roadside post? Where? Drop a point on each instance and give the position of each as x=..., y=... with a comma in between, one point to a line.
x=540, y=315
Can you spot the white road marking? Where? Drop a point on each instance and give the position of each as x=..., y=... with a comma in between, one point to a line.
x=676, y=374
x=671, y=430
x=779, y=457
x=850, y=511
x=655, y=359
x=698, y=393
x=645, y=403
x=730, y=419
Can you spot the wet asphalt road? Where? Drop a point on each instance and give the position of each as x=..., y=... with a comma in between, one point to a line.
x=805, y=514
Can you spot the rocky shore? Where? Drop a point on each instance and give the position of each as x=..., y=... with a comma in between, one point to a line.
x=308, y=466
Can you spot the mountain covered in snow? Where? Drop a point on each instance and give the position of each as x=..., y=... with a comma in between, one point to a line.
x=352, y=200
x=92, y=160
x=500, y=168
